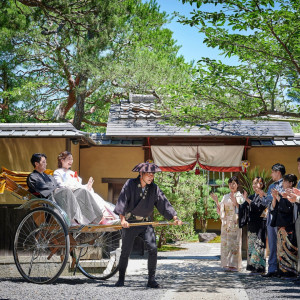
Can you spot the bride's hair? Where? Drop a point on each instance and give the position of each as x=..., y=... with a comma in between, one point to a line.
x=63, y=155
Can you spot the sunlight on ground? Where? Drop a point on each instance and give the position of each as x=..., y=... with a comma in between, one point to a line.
x=166, y=248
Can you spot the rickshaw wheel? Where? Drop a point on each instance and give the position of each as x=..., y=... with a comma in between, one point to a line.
x=99, y=259
x=41, y=246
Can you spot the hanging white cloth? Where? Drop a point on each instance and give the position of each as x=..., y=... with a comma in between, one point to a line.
x=212, y=158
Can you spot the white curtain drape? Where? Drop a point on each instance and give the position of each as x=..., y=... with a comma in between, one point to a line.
x=184, y=158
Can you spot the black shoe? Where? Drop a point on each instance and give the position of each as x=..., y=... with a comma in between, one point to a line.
x=270, y=274
x=153, y=284
x=119, y=283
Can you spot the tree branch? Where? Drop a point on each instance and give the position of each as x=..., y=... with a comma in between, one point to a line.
x=94, y=123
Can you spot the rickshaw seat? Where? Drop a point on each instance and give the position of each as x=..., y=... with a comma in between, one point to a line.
x=16, y=183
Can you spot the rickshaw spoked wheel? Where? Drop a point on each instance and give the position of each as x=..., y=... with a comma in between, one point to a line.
x=99, y=259
x=41, y=245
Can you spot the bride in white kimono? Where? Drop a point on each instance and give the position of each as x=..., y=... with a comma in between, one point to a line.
x=65, y=177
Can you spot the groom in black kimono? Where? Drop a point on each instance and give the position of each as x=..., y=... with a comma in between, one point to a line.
x=136, y=204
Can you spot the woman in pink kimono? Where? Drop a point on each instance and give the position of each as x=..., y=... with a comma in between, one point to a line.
x=231, y=234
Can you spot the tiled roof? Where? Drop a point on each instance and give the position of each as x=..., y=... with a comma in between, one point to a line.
x=102, y=139
x=137, y=117
x=39, y=130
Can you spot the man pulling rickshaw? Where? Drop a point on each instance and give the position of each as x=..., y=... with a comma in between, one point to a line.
x=136, y=204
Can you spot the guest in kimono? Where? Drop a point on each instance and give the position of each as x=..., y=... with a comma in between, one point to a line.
x=231, y=234
x=65, y=177
x=136, y=204
x=293, y=195
x=253, y=212
x=278, y=170
x=282, y=212
x=78, y=206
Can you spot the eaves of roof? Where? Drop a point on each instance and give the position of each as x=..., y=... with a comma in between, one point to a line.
x=65, y=130
x=276, y=142
x=103, y=140
x=40, y=130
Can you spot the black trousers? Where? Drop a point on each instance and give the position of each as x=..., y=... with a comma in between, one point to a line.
x=148, y=235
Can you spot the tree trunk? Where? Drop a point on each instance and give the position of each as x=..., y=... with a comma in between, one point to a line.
x=203, y=223
x=80, y=99
x=4, y=106
x=64, y=107
x=161, y=239
x=79, y=111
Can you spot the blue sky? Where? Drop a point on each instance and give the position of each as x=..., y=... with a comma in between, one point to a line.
x=189, y=37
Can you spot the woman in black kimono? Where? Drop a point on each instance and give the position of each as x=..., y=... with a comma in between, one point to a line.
x=253, y=213
x=282, y=212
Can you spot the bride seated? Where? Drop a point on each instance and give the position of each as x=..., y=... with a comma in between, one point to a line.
x=65, y=177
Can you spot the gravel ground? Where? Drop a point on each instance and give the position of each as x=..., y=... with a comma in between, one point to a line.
x=275, y=288
x=193, y=273
x=77, y=288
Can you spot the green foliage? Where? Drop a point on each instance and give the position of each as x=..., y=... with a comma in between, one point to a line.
x=296, y=127
x=74, y=60
x=14, y=87
x=205, y=206
x=248, y=177
x=264, y=37
x=182, y=199
x=189, y=195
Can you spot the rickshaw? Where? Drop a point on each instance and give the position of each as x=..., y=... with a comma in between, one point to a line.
x=45, y=242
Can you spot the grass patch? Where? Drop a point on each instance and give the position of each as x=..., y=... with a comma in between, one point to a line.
x=193, y=239
x=166, y=248
x=217, y=239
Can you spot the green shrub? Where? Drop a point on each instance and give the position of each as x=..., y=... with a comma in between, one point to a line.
x=247, y=179
x=189, y=195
